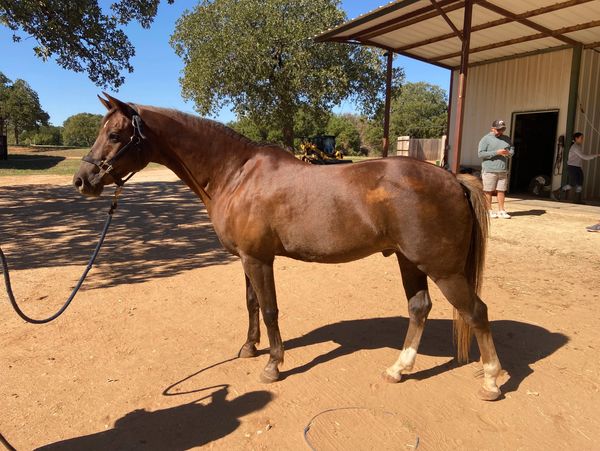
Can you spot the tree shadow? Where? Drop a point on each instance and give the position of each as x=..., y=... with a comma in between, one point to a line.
x=37, y=162
x=160, y=229
x=176, y=428
x=518, y=344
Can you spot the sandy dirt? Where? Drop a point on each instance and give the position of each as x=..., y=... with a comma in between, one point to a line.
x=145, y=357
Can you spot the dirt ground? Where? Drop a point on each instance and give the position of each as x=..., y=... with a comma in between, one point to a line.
x=145, y=357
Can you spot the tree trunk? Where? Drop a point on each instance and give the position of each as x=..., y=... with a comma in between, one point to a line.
x=287, y=129
x=16, y=136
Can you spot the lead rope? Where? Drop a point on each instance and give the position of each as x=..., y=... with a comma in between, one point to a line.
x=9, y=291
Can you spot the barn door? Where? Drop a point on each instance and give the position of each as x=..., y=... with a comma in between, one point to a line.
x=534, y=138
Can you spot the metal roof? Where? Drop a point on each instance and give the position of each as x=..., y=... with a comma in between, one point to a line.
x=431, y=30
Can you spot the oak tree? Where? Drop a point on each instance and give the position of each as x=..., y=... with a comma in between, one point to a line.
x=260, y=58
x=79, y=34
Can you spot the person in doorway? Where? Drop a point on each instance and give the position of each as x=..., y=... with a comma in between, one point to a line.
x=495, y=149
x=574, y=170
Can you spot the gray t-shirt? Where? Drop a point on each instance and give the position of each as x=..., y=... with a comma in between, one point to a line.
x=488, y=146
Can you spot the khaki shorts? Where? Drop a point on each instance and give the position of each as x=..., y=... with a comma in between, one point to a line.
x=494, y=181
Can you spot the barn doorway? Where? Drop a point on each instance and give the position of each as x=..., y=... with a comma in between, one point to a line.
x=534, y=138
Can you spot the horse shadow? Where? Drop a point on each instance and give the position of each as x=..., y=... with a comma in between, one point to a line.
x=519, y=345
x=159, y=229
x=182, y=427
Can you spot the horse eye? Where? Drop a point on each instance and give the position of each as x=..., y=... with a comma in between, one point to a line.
x=114, y=137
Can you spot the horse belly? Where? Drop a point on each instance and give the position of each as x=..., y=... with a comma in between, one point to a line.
x=332, y=241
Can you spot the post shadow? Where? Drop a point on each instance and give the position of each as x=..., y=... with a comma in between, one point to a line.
x=518, y=344
x=527, y=213
x=176, y=428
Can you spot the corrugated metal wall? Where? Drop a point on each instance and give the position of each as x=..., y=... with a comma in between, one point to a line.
x=497, y=90
x=587, y=119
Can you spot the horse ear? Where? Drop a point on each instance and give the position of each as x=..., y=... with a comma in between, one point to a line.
x=104, y=102
x=121, y=106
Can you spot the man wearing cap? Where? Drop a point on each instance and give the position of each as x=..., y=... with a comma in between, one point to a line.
x=495, y=149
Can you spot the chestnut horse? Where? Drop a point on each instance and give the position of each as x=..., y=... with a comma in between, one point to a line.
x=265, y=202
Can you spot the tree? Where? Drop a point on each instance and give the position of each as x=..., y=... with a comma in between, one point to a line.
x=44, y=136
x=347, y=136
x=79, y=34
x=259, y=57
x=23, y=110
x=81, y=129
x=372, y=137
x=4, y=90
x=420, y=110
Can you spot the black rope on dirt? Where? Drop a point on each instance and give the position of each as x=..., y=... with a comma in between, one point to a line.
x=9, y=291
x=6, y=444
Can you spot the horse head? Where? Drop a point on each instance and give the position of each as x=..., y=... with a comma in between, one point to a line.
x=117, y=151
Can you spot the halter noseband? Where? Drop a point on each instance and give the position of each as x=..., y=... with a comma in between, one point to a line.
x=106, y=167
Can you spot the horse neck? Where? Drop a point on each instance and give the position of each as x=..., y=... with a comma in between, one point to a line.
x=203, y=153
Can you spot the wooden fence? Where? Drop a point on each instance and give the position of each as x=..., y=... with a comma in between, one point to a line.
x=431, y=150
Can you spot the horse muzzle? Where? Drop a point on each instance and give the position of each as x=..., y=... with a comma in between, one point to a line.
x=88, y=184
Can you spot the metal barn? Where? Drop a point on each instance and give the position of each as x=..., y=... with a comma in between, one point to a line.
x=535, y=64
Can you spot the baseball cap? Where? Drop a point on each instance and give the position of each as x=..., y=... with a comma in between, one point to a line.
x=498, y=124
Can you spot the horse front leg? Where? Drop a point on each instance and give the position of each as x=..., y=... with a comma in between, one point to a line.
x=419, y=306
x=249, y=348
x=260, y=275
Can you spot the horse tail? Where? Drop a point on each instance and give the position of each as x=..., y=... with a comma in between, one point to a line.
x=475, y=258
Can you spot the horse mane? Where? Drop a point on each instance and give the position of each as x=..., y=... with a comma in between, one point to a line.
x=191, y=120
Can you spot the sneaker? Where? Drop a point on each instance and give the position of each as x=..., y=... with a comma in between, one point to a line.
x=504, y=215
x=594, y=228
x=493, y=214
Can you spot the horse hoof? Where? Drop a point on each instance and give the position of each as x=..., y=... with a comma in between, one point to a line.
x=487, y=395
x=389, y=378
x=268, y=377
x=247, y=351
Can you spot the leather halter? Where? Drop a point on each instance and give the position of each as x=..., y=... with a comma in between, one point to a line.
x=106, y=166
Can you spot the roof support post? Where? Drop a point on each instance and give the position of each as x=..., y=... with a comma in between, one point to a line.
x=388, y=100
x=572, y=106
x=462, y=87
x=445, y=161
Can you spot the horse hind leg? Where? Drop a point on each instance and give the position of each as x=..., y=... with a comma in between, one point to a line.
x=249, y=348
x=419, y=306
x=473, y=313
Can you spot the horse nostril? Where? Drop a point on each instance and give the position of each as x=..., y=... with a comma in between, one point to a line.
x=78, y=182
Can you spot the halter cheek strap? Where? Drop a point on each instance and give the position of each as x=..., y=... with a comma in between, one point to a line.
x=106, y=166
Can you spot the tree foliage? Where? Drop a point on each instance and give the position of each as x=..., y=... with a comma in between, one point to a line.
x=420, y=110
x=259, y=57
x=43, y=136
x=21, y=109
x=81, y=129
x=4, y=90
x=347, y=136
x=79, y=34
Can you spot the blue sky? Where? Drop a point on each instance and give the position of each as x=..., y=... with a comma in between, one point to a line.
x=155, y=80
